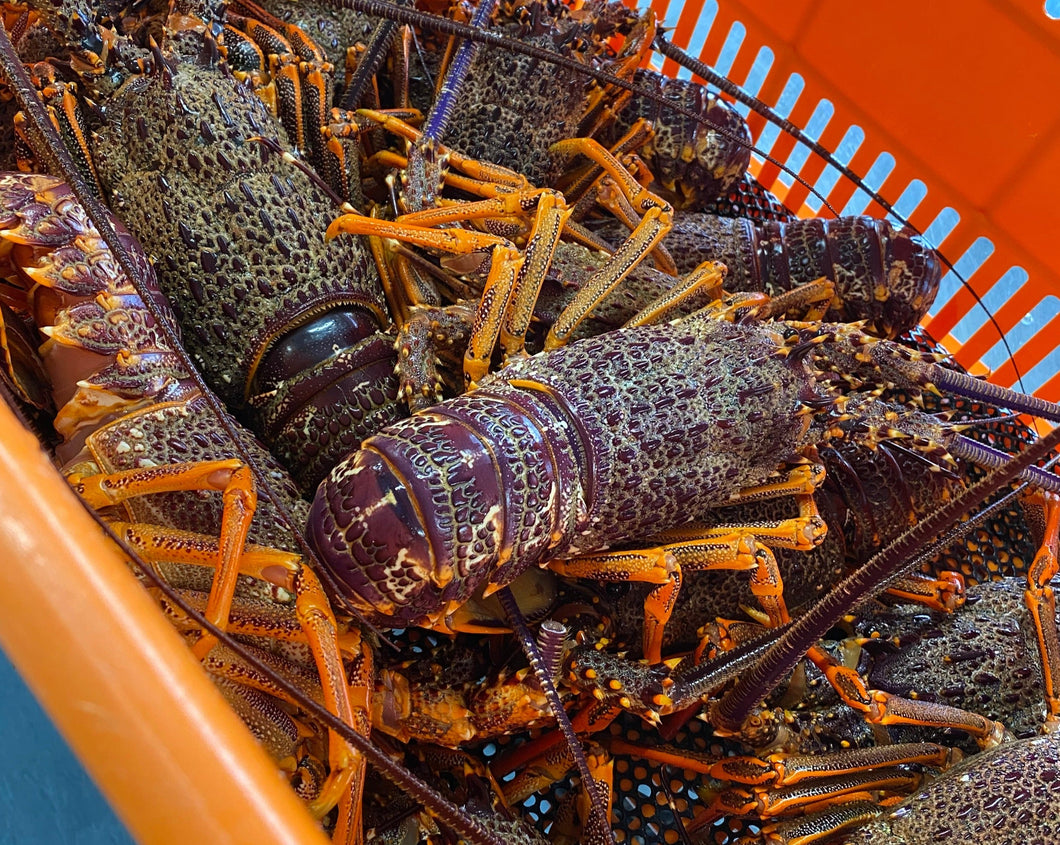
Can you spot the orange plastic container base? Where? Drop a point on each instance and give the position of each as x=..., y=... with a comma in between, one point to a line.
x=923, y=81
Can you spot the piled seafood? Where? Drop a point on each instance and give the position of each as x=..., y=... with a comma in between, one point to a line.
x=490, y=353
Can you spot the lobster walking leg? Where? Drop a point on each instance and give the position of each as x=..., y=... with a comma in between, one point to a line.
x=884, y=708
x=162, y=543
x=232, y=477
x=655, y=222
x=1041, y=603
x=514, y=278
x=718, y=547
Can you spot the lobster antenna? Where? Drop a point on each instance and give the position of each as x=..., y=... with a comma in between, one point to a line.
x=664, y=782
x=891, y=562
x=442, y=110
x=47, y=144
x=544, y=677
x=378, y=46
x=727, y=86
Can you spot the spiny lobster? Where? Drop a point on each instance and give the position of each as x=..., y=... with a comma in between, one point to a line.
x=12, y=203
x=137, y=438
x=286, y=327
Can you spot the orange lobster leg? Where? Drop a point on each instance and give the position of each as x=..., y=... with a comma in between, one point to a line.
x=230, y=556
x=551, y=766
x=708, y=276
x=655, y=222
x=610, y=197
x=514, y=279
x=231, y=477
x=784, y=783
x=1041, y=603
x=823, y=825
x=590, y=720
x=944, y=593
x=506, y=263
x=883, y=708
x=483, y=172
x=720, y=547
x=578, y=186
x=157, y=544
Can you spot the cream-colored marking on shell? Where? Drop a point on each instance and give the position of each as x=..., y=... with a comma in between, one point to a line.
x=480, y=562
x=396, y=576
x=467, y=458
x=387, y=500
x=898, y=269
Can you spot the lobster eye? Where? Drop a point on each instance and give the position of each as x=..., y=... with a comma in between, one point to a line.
x=310, y=343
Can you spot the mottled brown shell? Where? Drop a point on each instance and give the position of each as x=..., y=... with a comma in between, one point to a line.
x=236, y=232
x=1004, y=796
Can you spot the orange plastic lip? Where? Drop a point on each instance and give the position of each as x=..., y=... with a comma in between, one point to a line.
x=162, y=744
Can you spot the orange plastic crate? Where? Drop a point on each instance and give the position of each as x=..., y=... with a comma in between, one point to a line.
x=924, y=83
x=954, y=99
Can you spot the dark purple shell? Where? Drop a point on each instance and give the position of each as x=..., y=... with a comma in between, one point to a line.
x=609, y=439
x=885, y=275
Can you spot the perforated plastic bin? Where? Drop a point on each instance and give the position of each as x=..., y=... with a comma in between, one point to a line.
x=948, y=108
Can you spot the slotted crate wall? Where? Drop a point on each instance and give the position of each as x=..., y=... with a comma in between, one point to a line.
x=949, y=111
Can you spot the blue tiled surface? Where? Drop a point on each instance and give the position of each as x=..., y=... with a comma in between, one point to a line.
x=45, y=795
